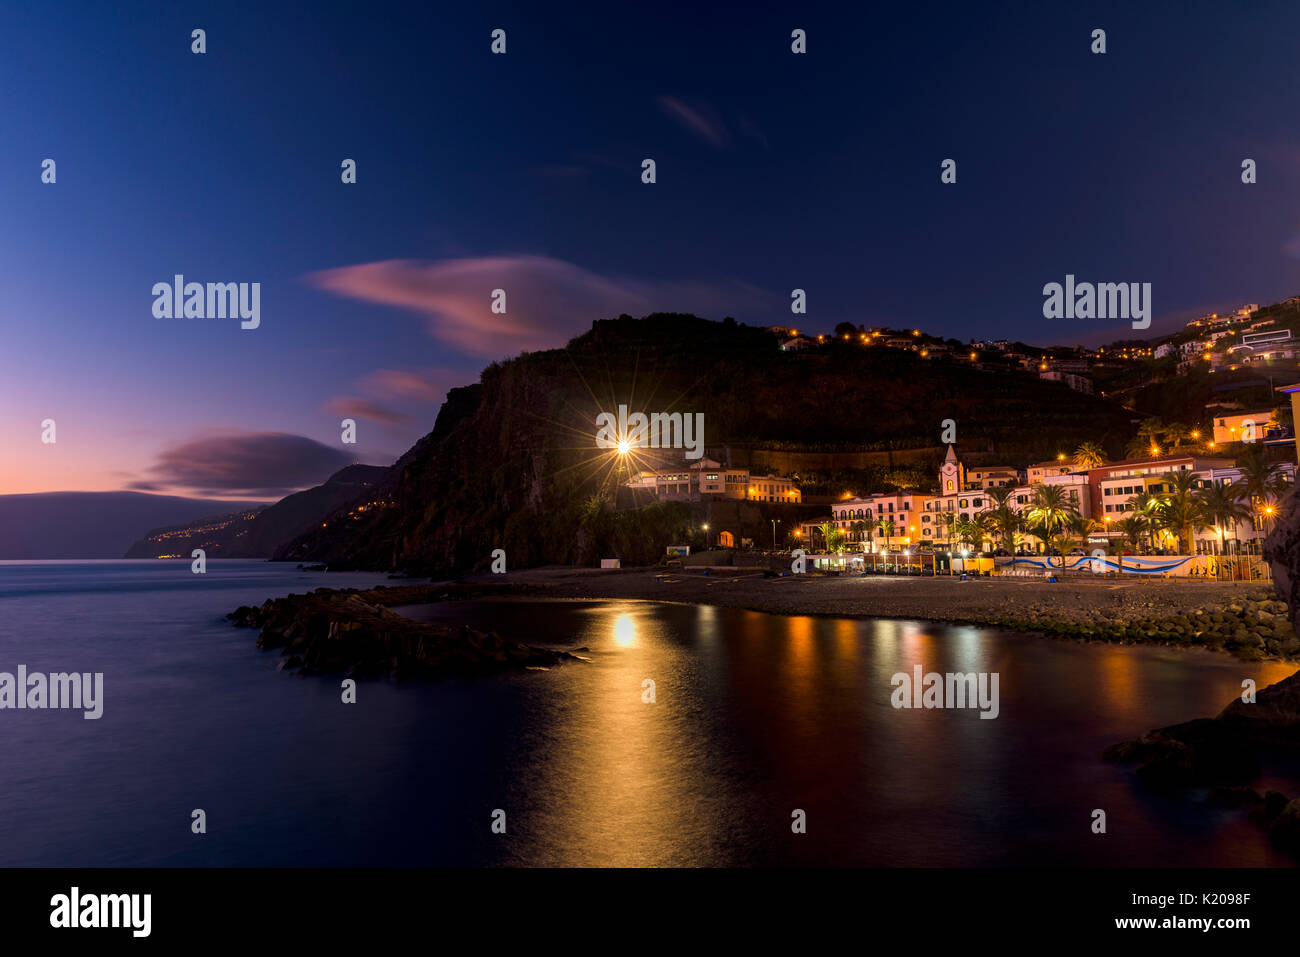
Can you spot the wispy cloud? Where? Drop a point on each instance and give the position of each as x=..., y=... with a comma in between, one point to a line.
x=548, y=301
x=355, y=407
x=699, y=118
x=427, y=386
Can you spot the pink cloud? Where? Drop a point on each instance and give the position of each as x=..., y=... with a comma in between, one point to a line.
x=548, y=301
x=359, y=408
x=401, y=384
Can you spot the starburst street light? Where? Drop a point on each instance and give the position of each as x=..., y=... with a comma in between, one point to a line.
x=623, y=447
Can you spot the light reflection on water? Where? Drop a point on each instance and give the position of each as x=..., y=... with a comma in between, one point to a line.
x=754, y=716
x=757, y=715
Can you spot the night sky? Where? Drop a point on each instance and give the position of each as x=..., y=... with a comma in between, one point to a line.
x=522, y=172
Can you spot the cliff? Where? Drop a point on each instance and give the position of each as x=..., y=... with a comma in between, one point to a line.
x=511, y=462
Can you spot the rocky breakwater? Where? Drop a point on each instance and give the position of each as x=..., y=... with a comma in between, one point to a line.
x=357, y=634
x=1255, y=625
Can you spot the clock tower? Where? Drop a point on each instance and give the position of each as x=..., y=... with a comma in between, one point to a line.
x=952, y=476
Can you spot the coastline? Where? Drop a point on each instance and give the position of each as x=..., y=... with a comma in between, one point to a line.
x=1242, y=618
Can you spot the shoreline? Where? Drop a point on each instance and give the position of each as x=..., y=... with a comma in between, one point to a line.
x=1241, y=618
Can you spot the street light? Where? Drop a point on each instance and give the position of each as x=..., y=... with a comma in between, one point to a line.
x=775, y=521
x=706, y=537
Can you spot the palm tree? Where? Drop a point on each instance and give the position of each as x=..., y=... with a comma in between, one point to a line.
x=1089, y=455
x=1148, y=438
x=1050, y=507
x=1262, y=483
x=965, y=530
x=1003, y=519
x=858, y=529
x=1223, y=508
x=1181, y=508
x=1061, y=545
x=1149, y=507
x=1134, y=528
x=972, y=531
x=1177, y=435
x=826, y=528
x=1081, y=528
x=885, y=527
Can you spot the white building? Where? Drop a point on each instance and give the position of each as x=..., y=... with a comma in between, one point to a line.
x=707, y=478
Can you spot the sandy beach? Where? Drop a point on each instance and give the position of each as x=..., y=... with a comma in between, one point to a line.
x=976, y=601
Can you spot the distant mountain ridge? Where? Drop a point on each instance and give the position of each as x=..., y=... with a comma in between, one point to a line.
x=44, y=526
x=257, y=533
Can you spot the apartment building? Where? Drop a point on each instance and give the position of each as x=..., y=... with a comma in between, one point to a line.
x=709, y=479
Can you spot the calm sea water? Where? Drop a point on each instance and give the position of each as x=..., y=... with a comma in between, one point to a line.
x=756, y=715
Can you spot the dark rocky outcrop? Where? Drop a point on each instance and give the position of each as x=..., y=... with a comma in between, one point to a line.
x=1282, y=552
x=1227, y=752
x=256, y=533
x=355, y=633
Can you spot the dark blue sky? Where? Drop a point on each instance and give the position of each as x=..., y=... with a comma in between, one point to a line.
x=522, y=171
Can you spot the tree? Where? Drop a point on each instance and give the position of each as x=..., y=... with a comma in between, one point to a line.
x=826, y=528
x=1177, y=435
x=1003, y=519
x=1050, y=507
x=1147, y=441
x=971, y=531
x=858, y=528
x=885, y=527
x=1262, y=483
x=1181, y=509
x=1223, y=508
x=1089, y=455
x=1149, y=506
x=844, y=330
x=1081, y=528
x=1135, y=528
x=1061, y=545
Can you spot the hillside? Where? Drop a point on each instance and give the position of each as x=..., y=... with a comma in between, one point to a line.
x=512, y=461
x=256, y=534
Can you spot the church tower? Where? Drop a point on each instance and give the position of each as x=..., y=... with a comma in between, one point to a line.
x=952, y=475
